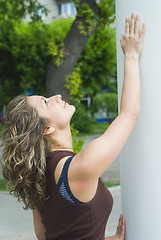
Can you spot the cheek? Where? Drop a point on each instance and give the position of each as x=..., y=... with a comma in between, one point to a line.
x=59, y=118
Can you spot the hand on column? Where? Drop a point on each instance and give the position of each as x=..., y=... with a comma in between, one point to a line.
x=120, y=233
x=132, y=41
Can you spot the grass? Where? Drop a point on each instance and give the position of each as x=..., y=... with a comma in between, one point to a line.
x=110, y=184
x=3, y=185
x=95, y=128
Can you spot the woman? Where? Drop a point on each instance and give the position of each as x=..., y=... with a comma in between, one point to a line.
x=64, y=189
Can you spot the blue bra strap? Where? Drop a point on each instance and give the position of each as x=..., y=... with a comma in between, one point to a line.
x=63, y=184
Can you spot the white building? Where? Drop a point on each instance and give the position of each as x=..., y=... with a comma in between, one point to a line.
x=57, y=8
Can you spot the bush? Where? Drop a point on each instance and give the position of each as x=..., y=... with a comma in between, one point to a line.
x=98, y=60
x=26, y=52
x=77, y=143
x=82, y=119
x=106, y=101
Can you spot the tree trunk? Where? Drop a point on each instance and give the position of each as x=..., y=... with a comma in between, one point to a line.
x=74, y=44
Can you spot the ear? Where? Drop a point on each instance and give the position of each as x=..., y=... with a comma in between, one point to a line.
x=49, y=130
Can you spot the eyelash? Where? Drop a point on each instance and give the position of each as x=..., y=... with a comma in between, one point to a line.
x=46, y=102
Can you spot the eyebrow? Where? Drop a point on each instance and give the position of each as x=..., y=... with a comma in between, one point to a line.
x=42, y=100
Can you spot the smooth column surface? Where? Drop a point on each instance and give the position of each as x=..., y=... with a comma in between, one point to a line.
x=141, y=157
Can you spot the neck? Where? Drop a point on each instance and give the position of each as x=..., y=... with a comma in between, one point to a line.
x=62, y=140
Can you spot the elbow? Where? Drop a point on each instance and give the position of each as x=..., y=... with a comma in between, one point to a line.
x=131, y=110
x=136, y=113
x=133, y=115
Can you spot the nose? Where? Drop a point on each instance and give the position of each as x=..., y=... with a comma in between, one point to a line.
x=57, y=97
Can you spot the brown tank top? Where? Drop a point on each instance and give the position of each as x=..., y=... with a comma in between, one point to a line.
x=65, y=220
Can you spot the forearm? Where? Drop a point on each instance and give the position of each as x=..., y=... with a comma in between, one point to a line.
x=130, y=99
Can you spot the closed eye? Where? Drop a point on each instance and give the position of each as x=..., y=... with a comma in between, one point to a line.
x=46, y=101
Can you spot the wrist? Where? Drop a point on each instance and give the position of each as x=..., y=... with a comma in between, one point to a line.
x=129, y=56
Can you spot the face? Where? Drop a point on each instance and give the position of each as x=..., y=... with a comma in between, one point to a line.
x=57, y=112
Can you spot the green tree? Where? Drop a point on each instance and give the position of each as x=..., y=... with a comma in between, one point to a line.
x=98, y=60
x=17, y=9
x=26, y=52
x=90, y=15
x=12, y=12
x=27, y=49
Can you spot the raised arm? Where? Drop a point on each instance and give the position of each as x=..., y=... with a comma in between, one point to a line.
x=97, y=156
x=131, y=44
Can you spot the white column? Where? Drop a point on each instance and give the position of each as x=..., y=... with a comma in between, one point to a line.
x=141, y=156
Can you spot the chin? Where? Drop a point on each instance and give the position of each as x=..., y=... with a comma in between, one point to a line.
x=73, y=108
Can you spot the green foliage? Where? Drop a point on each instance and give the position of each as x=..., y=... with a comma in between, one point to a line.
x=111, y=184
x=90, y=20
x=98, y=60
x=105, y=101
x=26, y=53
x=2, y=185
x=76, y=3
x=27, y=49
x=25, y=56
x=77, y=143
x=18, y=9
x=82, y=120
x=56, y=52
x=55, y=44
x=74, y=82
x=99, y=128
x=107, y=8
x=59, y=29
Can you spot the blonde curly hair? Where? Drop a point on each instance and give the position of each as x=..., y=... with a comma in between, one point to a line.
x=25, y=150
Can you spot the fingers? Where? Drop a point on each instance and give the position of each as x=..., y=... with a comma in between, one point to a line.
x=121, y=228
x=137, y=25
x=127, y=27
x=143, y=30
x=132, y=41
x=132, y=27
x=131, y=31
x=122, y=39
